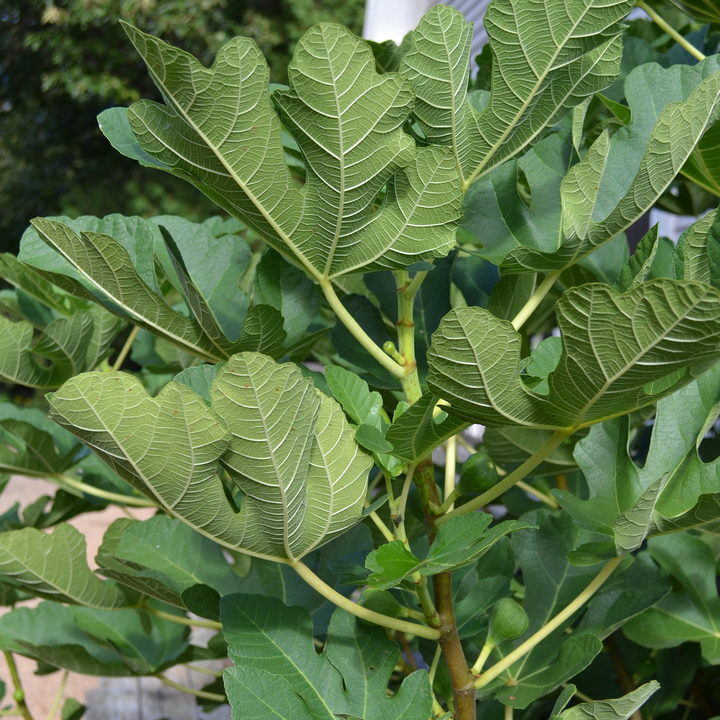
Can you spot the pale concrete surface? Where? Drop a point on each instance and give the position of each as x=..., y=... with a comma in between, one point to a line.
x=149, y=699
x=107, y=699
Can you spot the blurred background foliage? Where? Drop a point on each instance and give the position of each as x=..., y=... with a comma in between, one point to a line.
x=62, y=63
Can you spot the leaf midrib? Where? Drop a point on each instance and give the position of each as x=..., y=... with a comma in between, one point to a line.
x=341, y=166
x=71, y=326
x=331, y=497
x=685, y=621
x=575, y=256
x=453, y=123
x=606, y=158
x=481, y=372
x=276, y=470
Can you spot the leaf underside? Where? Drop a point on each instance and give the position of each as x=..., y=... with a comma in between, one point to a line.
x=620, y=352
x=543, y=64
x=220, y=131
x=284, y=444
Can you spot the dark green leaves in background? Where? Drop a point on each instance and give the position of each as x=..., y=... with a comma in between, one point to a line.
x=276, y=665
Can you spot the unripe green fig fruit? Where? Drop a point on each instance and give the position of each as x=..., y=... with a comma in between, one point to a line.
x=478, y=474
x=381, y=601
x=508, y=622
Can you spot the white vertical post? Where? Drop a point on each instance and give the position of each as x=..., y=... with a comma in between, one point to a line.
x=391, y=19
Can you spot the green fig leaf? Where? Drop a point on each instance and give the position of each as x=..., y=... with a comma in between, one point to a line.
x=350, y=138
x=287, y=447
x=574, y=53
x=693, y=613
x=54, y=566
x=613, y=361
x=349, y=678
x=619, y=709
x=460, y=541
x=673, y=490
x=605, y=193
x=93, y=642
x=697, y=254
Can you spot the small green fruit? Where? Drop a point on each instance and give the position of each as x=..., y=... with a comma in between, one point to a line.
x=18, y=696
x=507, y=622
x=381, y=601
x=478, y=474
